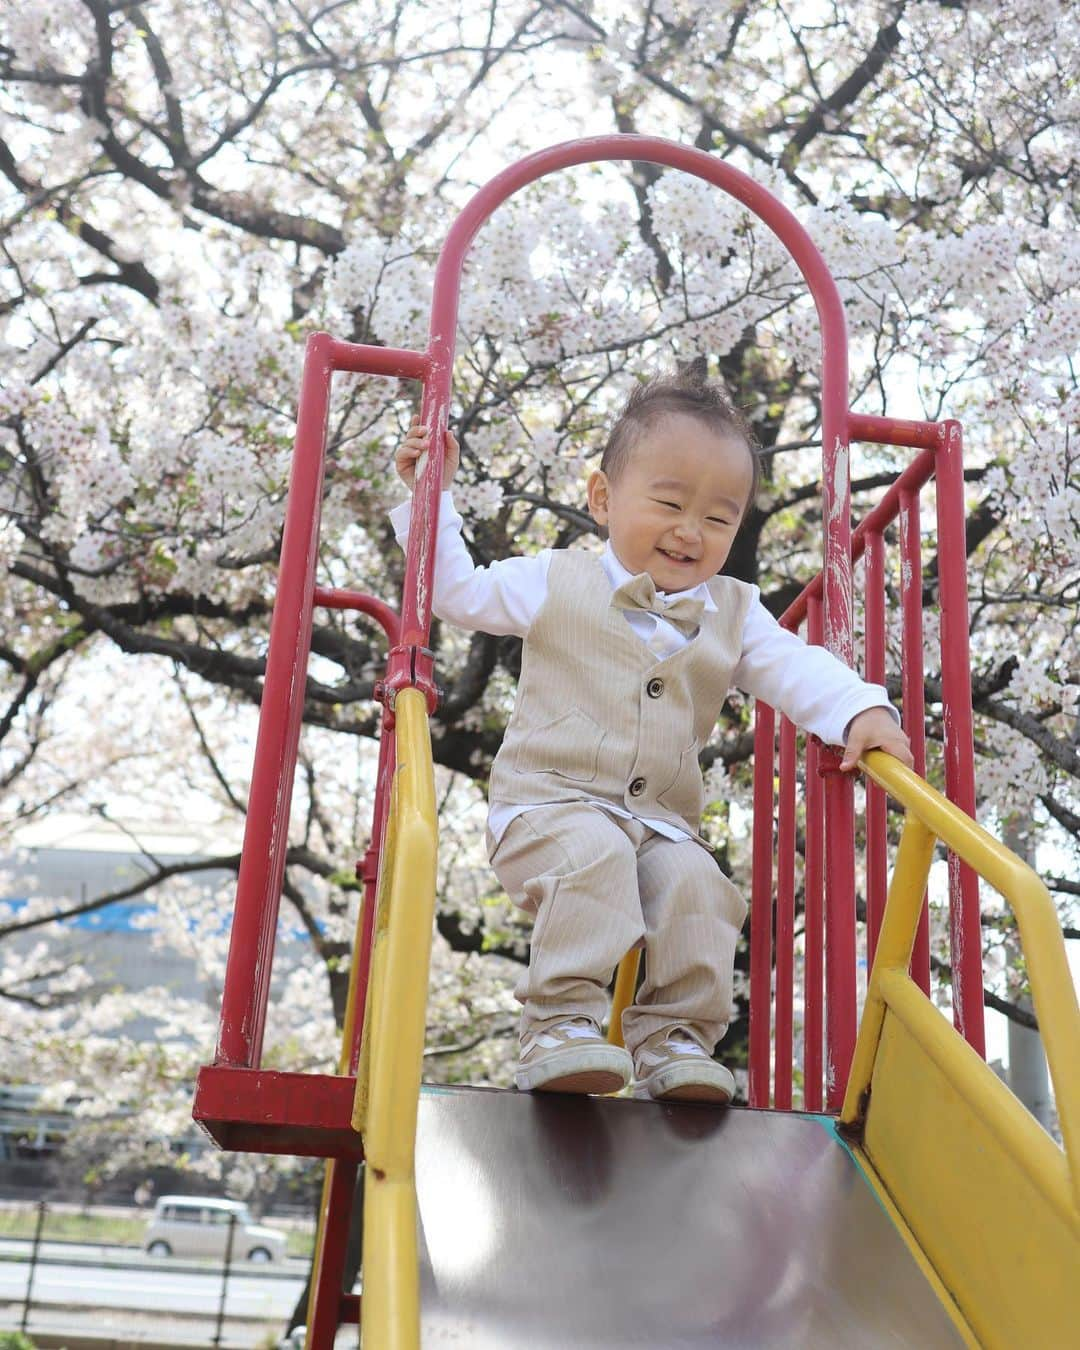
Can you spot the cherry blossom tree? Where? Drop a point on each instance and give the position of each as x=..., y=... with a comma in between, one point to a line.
x=189, y=191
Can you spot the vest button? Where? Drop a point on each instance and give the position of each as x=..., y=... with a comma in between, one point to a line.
x=654, y=688
x=637, y=787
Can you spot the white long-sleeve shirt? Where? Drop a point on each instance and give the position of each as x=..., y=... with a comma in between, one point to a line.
x=805, y=682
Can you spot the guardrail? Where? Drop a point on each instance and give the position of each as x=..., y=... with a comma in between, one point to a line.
x=833, y=940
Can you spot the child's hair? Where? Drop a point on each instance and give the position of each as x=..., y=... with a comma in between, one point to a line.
x=690, y=393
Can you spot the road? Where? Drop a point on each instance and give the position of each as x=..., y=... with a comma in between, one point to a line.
x=109, y=1254
x=80, y=1277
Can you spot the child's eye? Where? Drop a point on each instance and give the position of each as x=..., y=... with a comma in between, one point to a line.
x=718, y=520
x=674, y=505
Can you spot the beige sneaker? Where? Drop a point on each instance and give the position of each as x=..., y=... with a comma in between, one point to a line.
x=671, y=1066
x=571, y=1056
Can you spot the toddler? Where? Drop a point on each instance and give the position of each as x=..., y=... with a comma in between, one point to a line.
x=596, y=793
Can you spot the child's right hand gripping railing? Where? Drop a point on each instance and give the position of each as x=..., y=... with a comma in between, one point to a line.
x=992, y=1201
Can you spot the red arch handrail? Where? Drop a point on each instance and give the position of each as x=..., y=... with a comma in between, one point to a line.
x=411, y=663
x=416, y=608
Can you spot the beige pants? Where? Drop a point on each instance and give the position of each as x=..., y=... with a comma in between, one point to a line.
x=598, y=886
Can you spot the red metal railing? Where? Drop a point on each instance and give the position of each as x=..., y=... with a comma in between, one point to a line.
x=232, y=1089
x=829, y=914
x=266, y=829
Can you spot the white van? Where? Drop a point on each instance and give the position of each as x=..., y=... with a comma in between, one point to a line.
x=195, y=1225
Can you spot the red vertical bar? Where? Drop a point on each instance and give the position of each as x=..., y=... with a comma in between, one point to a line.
x=840, y=1000
x=368, y=869
x=965, y=923
x=914, y=689
x=327, y=1277
x=840, y=1008
x=362, y=949
x=813, y=890
x=876, y=810
x=785, y=918
x=262, y=865
x=761, y=907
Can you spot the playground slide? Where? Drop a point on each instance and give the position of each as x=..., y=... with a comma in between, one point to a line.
x=950, y=1218
x=552, y=1222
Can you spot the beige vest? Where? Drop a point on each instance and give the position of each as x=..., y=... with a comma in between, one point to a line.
x=598, y=715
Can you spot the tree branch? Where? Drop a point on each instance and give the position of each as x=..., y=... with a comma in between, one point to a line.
x=846, y=93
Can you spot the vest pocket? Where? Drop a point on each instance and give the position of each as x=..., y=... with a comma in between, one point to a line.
x=685, y=794
x=568, y=746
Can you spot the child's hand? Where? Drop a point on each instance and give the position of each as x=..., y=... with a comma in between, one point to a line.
x=875, y=729
x=416, y=443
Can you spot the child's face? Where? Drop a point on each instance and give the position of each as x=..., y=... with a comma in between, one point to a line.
x=675, y=508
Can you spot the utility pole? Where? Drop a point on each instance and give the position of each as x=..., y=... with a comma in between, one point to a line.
x=1029, y=1077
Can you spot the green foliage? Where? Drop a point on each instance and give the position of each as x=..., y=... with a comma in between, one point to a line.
x=72, y=1227
x=15, y=1340
x=345, y=878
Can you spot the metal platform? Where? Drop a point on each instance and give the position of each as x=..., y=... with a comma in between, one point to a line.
x=305, y=1115
x=553, y=1222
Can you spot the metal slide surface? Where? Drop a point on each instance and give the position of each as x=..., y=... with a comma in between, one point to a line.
x=554, y=1221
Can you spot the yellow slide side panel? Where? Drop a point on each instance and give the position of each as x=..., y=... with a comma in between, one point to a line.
x=394, y=1029
x=995, y=1221
x=390, y=1307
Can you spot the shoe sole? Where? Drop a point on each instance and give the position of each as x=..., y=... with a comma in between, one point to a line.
x=597, y=1082
x=599, y=1069
x=678, y=1084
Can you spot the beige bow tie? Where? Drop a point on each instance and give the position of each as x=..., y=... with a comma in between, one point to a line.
x=640, y=593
